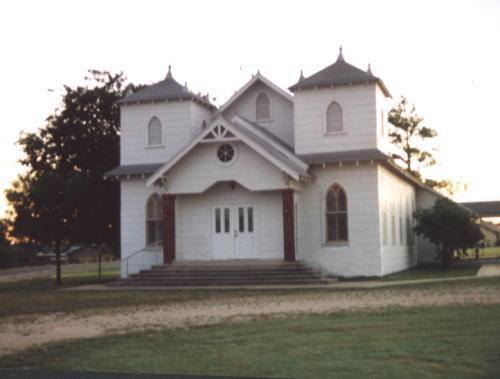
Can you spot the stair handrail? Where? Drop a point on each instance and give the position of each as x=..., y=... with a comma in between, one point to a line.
x=126, y=259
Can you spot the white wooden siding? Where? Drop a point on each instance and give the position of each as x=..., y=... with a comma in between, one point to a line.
x=382, y=106
x=359, y=119
x=397, y=197
x=134, y=195
x=200, y=169
x=281, y=121
x=181, y=121
x=361, y=255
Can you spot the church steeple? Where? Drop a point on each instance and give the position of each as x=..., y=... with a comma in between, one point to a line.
x=340, y=58
x=169, y=73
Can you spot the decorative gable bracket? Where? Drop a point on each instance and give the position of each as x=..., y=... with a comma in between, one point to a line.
x=219, y=133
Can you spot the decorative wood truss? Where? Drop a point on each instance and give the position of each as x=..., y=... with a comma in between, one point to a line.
x=219, y=133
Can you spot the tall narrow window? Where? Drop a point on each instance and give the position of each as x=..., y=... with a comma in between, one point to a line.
x=382, y=122
x=154, y=132
x=384, y=224
x=262, y=107
x=334, y=118
x=336, y=214
x=154, y=220
x=393, y=223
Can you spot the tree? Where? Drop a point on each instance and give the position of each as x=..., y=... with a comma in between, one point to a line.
x=3, y=234
x=408, y=135
x=63, y=197
x=4, y=245
x=449, y=226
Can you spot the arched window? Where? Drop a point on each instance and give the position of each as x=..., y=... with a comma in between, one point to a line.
x=336, y=214
x=262, y=107
x=334, y=122
x=154, y=220
x=154, y=132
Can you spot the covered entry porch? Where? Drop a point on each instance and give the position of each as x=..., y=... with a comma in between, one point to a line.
x=229, y=222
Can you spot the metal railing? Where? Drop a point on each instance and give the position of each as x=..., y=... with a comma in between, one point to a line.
x=143, y=250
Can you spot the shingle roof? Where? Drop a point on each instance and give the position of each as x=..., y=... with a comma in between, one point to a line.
x=133, y=170
x=168, y=89
x=484, y=208
x=283, y=158
x=340, y=73
x=267, y=133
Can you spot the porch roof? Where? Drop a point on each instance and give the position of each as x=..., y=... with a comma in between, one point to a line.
x=133, y=170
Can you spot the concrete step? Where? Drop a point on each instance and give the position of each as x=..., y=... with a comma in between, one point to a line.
x=224, y=274
x=190, y=283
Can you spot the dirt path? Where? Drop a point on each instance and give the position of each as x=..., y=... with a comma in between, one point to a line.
x=16, y=336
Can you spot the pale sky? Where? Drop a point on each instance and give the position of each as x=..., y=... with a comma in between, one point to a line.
x=443, y=55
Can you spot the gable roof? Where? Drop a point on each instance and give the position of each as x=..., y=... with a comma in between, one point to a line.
x=340, y=73
x=263, y=130
x=270, y=143
x=255, y=78
x=166, y=90
x=258, y=142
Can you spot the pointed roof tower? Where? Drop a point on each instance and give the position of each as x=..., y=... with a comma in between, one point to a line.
x=338, y=74
x=340, y=58
x=166, y=90
x=169, y=73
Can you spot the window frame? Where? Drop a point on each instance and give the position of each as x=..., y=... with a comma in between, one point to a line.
x=326, y=212
x=269, y=113
x=334, y=132
x=148, y=134
x=156, y=219
x=230, y=162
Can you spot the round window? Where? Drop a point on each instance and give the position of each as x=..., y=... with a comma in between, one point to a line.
x=225, y=153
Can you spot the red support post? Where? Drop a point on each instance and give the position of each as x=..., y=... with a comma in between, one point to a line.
x=288, y=225
x=168, y=228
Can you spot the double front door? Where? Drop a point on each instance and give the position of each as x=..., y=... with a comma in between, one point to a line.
x=233, y=232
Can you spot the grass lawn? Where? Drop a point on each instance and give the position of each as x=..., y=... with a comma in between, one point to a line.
x=428, y=271
x=488, y=252
x=109, y=270
x=451, y=342
x=433, y=271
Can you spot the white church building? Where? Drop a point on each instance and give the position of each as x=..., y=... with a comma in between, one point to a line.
x=301, y=174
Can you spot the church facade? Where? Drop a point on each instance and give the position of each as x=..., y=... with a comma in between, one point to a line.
x=272, y=174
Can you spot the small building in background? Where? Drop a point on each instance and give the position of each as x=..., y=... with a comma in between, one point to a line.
x=491, y=233
x=88, y=253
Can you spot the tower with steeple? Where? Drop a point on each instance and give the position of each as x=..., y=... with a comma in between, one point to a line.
x=339, y=108
x=159, y=119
